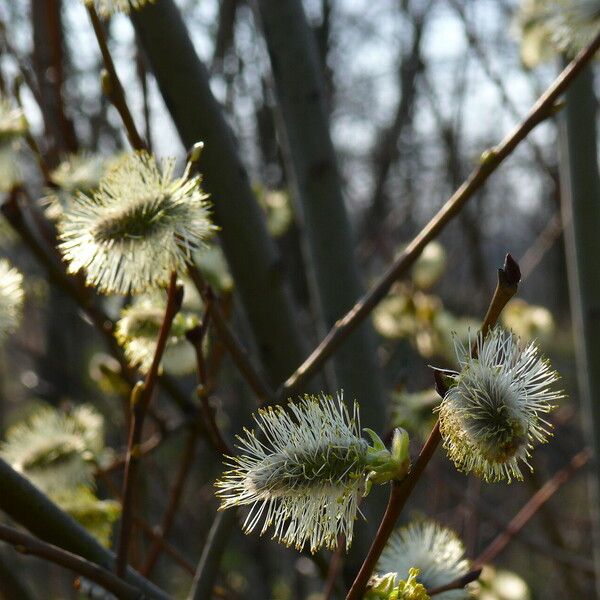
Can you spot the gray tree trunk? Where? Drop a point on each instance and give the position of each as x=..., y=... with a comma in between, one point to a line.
x=300, y=91
x=581, y=218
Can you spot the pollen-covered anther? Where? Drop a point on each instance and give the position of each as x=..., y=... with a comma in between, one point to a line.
x=137, y=228
x=491, y=416
x=302, y=474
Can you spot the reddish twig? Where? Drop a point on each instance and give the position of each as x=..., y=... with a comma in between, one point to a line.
x=141, y=396
x=335, y=564
x=532, y=506
x=234, y=347
x=196, y=338
x=538, y=545
x=148, y=530
x=167, y=547
x=27, y=544
x=111, y=84
x=146, y=447
x=173, y=503
x=458, y=584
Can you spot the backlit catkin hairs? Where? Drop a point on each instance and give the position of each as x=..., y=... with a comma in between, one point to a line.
x=141, y=225
x=492, y=413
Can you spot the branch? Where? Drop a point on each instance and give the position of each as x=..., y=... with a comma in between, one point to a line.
x=111, y=84
x=27, y=544
x=149, y=531
x=174, y=497
x=508, y=278
x=543, y=109
x=208, y=565
x=196, y=336
x=238, y=353
x=140, y=397
x=532, y=506
x=536, y=544
x=458, y=584
x=299, y=86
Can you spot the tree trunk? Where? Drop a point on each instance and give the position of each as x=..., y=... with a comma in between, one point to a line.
x=300, y=91
x=581, y=219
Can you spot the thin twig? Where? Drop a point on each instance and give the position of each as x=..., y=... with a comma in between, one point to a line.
x=146, y=447
x=142, y=73
x=196, y=338
x=335, y=564
x=27, y=544
x=532, y=506
x=458, y=584
x=496, y=79
x=168, y=548
x=148, y=530
x=173, y=503
x=208, y=565
x=539, y=545
x=188, y=454
x=25, y=71
x=235, y=348
x=543, y=109
x=112, y=85
x=141, y=397
x=508, y=278
x=544, y=241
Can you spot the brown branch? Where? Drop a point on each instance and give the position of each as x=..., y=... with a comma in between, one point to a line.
x=146, y=447
x=544, y=241
x=141, y=396
x=149, y=531
x=235, y=348
x=543, y=109
x=167, y=547
x=538, y=545
x=196, y=338
x=173, y=503
x=458, y=584
x=111, y=84
x=478, y=48
x=25, y=71
x=335, y=564
x=142, y=74
x=508, y=282
x=27, y=544
x=32, y=142
x=532, y=506
x=508, y=278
